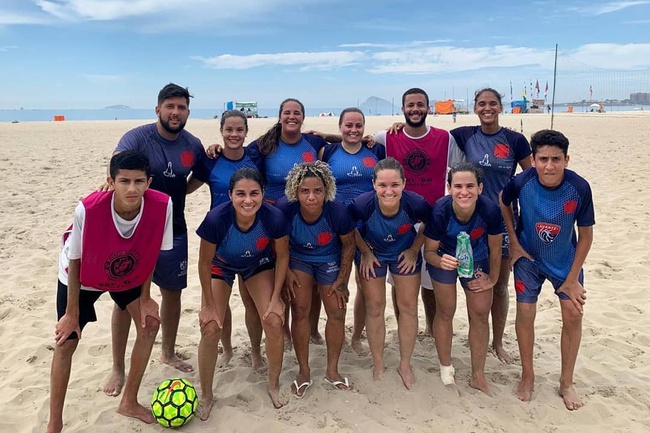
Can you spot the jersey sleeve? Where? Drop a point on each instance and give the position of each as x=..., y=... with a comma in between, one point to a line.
x=168, y=235
x=360, y=207
x=455, y=154
x=77, y=232
x=285, y=206
x=511, y=190
x=131, y=140
x=380, y=137
x=417, y=206
x=201, y=160
x=252, y=150
x=203, y=168
x=329, y=151
x=492, y=217
x=437, y=224
x=462, y=135
x=215, y=224
x=275, y=221
x=339, y=218
x=379, y=150
x=519, y=143
x=316, y=142
x=585, y=214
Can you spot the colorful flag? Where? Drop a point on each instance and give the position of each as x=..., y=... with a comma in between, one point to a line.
x=537, y=86
x=546, y=90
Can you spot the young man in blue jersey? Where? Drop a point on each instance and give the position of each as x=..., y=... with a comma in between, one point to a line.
x=552, y=200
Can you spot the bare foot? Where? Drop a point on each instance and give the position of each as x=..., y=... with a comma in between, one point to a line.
x=317, y=339
x=224, y=358
x=114, y=384
x=524, y=391
x=259, y=363
x=55, y=426
x=205, y=407
x=136, y=411
x=377, y=371
x=502, y=354
x=178, y=363
x=358, y=347
x=408, y=379
x=274, y=393
x=570, y=397
x=480, y=382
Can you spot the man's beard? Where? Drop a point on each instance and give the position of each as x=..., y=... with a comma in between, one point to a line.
x=423, y=119
x=169, y=129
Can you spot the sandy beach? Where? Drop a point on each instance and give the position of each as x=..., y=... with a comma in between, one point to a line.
x=46, y=167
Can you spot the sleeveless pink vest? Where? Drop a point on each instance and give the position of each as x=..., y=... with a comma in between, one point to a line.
x=110, y=262
x=424, y=161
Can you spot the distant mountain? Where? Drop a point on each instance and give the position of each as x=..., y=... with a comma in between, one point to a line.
x=117, y=107
x=377, y=106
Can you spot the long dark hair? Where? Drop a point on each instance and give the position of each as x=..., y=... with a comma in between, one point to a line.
x=268, y=142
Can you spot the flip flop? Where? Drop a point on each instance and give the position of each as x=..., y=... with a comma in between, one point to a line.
x=336, y=383
x=305, y=385
x=447, y=373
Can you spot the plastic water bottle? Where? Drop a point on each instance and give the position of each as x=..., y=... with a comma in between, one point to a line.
x=465, y=256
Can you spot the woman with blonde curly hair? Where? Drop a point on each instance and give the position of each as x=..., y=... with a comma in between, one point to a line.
x=321, y=246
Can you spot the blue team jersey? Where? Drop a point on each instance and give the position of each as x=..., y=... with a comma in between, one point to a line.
x=389, y=236
x=218, y=173
x=276, y=165
x=353, y=172
x=171, y=163
x=317, y=242
x=444, y=226
x=496, y=155
x=237, y=250
x=547, y=217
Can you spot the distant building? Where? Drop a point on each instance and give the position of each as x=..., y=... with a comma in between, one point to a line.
x=640, y=98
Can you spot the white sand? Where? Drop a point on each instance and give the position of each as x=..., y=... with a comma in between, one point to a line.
x=45, y=168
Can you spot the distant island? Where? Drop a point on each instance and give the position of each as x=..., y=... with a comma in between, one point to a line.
x=117, y=107
x=376, y=106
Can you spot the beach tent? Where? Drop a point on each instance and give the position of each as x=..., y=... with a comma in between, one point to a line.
x=445, y=107
x=521, y=105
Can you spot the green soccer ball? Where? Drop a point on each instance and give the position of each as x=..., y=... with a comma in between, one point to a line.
x=174, y=402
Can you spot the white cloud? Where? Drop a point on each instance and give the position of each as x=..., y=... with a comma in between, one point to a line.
x=412, y=59
x=612, y=7
x=19, y=18
x=305, y=60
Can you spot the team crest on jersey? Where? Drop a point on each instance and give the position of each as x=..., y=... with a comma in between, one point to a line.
x=121, y=264
x=187, y=158
x=547, y=232
x=369, y=162
x=501, y=150
x=416, y=160
x=354, y=172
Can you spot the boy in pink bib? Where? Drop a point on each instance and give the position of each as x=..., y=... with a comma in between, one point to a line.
x=112, y=247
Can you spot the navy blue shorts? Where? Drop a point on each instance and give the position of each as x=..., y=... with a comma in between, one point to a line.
x=171, y=267
x=87, y=299
x=529, y=278
x=444, y=276
x=228, y=275
x=323, y=273
x=382, y=270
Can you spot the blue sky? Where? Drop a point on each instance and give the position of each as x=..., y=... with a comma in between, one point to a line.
x=328, y=53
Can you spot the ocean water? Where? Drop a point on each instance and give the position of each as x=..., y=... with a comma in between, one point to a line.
x=44, y=115
x=38, y=115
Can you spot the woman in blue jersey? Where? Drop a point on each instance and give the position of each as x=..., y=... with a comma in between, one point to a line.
x=234, y=127
x=276, y=152
x=249, y=237
x=321, y=248
x=463, y=210
x=496, y=151
x=352, y=165
x=388, y=240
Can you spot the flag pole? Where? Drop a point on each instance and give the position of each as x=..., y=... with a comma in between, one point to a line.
x=554, y=85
